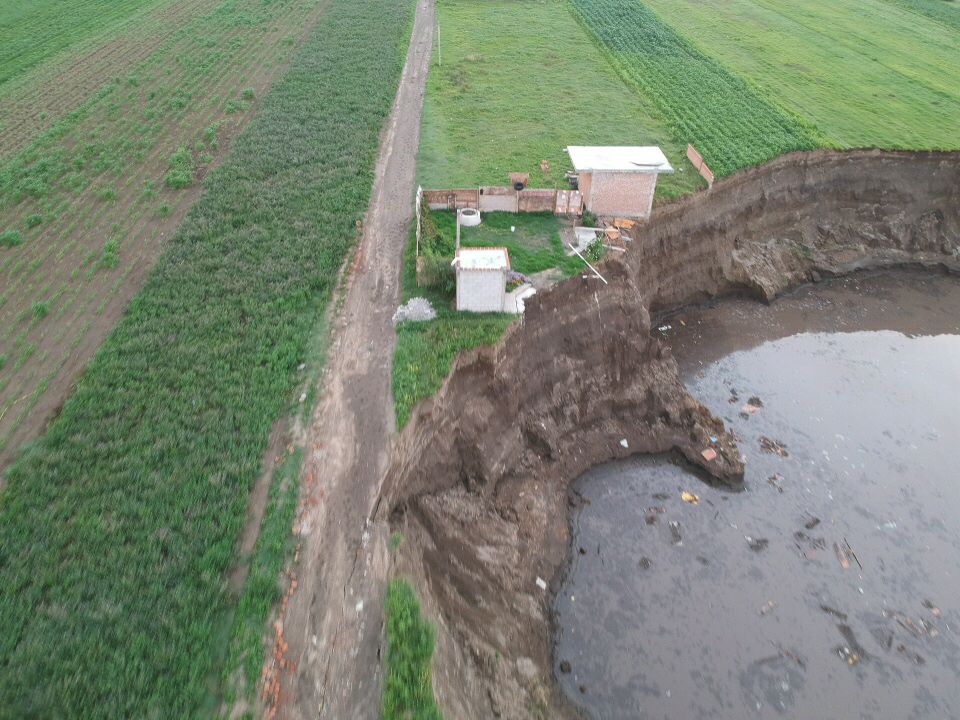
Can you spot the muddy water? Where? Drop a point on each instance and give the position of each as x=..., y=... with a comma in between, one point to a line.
x=829, y=587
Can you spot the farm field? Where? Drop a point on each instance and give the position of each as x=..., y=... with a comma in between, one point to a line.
x=867, y=73
x=118, y=526
x=729, y=121
x=518, y=83
x=31, y=32
x=88, y=204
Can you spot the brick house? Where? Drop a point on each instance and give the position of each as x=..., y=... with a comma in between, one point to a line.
x=618, y=181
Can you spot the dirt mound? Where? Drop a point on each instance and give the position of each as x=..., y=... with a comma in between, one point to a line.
x=479, y=479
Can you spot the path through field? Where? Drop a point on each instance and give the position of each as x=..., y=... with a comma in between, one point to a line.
x=334, y=620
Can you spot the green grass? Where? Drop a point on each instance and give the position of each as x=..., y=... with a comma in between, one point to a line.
x=946, y=12
x=117, y=527
x=867, y=73
x=534, y=246
x=408, y=688
x=729, y=121
x=426, y=351
x=262, y=589
x=520, y=81
x=10, y=238
x=31, y=32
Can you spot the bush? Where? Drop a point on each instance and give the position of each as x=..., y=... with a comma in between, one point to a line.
x=181, y=170
x=33, y=220
x=437, y=273
x=10, y=238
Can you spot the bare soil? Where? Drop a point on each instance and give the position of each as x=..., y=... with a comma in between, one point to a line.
x=329, y=636
x=479, y=481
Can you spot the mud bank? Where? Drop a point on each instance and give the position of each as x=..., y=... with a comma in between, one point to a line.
x=479, y=479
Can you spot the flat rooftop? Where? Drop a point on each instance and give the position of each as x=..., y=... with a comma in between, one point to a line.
x=617, y=158
x=483, y=258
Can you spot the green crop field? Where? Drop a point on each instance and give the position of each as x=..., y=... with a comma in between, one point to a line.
x=93, y=192
x=118, y=526
x=730, y=122
x=31, y=32
x=519, y=82
x=867, y=73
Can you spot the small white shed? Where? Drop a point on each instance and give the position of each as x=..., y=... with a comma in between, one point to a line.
x=481, y=278
x=617, y=180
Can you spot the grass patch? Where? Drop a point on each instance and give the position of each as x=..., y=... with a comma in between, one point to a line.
x=41, y=310
x=180, y=174
x=426, y=351
x=10, y=238
x=33, y=220
x=534, y=243
x=732, y=124
x=263, y=589
x=851, y=67
x=408, y=688
x=117, y=527
x=518, y=92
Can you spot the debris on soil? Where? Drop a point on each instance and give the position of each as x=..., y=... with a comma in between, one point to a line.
x=757, y=544
x=565, y=667
x=852, y=652
x=833, y=611
x=675, y=532
x=852, y=554
x=849, y=655
x=624, y=443
x=934, y=610
x=709, y=454
x=583, y=551
x=661, y=496
x=772, y=446
x=658, y=509
x=416, y=309
x=811, y=524
x=841, y=555
x=914, y=656
x=775, y=480
x=541, y=583
x=689, y=497
x=651, y=519
x=752, y=407
x=645, y=563
x=767, y=607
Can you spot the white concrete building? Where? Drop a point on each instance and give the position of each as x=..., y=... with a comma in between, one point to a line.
x=481, y=278
x=618, y=181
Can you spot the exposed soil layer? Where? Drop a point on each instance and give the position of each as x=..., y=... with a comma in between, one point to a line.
x=479, y=481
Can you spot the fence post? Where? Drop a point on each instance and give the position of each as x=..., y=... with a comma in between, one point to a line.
x=419, y=225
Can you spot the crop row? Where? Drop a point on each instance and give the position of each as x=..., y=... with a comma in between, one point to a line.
x=117, y=527
x=103, y=204
x=729, y=121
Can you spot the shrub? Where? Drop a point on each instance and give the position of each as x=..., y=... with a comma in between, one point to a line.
x=33, y=220
x=10, y=238
x=181, y=170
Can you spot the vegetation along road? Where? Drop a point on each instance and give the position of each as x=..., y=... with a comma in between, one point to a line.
x=118, y=527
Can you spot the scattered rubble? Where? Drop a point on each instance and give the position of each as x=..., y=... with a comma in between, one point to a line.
x=416, y=309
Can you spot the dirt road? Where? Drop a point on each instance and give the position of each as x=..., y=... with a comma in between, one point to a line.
x=334, y=621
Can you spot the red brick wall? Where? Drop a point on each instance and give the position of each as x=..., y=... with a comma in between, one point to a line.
x=621, y=194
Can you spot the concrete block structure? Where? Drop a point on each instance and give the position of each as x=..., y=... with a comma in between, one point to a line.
x=481, y=278
x=618, y=181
